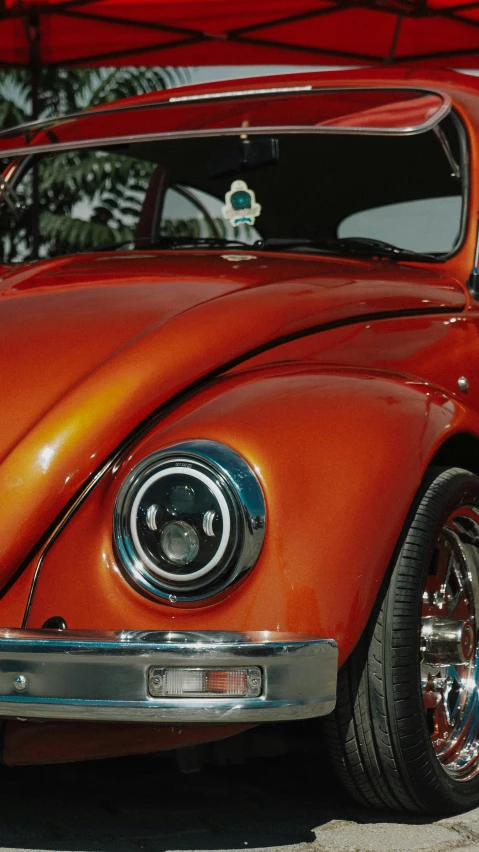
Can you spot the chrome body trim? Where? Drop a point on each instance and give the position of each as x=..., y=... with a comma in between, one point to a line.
x=60, y=526
x=90, y=675
x=240, y=93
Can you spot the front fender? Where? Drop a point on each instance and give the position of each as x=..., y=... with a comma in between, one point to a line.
x=340, y=456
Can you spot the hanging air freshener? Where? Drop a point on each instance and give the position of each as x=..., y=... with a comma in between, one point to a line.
x=241, y=207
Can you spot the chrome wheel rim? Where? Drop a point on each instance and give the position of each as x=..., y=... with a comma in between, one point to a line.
x=449, y=645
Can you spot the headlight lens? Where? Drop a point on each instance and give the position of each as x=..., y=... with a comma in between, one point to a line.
x=179, y=543
x=189, y=520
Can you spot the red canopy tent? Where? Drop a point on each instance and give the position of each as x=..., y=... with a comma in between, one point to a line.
x=218, y=32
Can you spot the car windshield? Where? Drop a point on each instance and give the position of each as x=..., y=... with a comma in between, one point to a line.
x=384, y=194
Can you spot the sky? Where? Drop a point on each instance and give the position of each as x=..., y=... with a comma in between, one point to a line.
x=226, y=72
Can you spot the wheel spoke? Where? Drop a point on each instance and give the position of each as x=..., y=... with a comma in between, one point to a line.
x=450, y=677
x=455, y=582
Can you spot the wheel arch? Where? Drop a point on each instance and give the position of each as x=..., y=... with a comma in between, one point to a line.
x=459, y=450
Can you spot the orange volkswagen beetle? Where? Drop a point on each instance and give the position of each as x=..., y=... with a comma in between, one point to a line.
x=239, y=432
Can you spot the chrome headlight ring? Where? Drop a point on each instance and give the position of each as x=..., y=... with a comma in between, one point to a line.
x=189, y=521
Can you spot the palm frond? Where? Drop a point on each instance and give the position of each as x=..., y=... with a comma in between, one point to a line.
x=108, y=189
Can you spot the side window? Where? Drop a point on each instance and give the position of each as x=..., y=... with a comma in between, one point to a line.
x=194, y=213
x=184, y=216
x=427, y=225
x=85, y=199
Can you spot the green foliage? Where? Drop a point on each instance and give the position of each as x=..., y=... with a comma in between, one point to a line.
x=109, y=187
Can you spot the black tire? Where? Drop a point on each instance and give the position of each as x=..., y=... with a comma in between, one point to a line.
x=378, y=736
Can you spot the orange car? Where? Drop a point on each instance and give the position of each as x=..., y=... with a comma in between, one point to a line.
x=239, y=476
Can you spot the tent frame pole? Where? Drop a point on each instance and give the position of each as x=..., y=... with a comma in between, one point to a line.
x=32, y=29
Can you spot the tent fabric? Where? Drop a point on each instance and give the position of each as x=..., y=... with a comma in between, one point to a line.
x=217, y=32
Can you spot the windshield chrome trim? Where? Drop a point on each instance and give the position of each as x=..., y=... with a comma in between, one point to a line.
x=240, y=93
x=23, y=150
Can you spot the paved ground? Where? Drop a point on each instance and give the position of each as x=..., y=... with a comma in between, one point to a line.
x=289, y=804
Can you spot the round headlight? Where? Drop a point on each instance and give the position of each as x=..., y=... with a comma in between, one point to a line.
x=189, y=520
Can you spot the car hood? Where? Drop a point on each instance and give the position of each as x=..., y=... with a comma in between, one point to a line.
x=92, y=345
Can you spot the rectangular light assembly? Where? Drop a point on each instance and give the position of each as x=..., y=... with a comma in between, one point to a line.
x=205, y=682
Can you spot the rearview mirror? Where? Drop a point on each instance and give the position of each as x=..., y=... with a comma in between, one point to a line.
x=245, y=154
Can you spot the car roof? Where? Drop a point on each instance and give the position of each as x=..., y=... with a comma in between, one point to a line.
x=440, y=80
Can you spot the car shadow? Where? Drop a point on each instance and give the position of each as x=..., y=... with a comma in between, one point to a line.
x=147, y=804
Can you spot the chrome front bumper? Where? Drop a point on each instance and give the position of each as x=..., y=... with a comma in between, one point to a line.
x=89, y=675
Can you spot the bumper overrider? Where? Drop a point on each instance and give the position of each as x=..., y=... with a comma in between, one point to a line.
x=156, y=676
